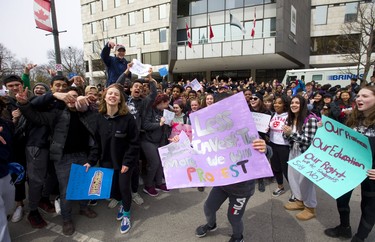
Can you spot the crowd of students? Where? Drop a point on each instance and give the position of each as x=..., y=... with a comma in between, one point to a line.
x=46, y=128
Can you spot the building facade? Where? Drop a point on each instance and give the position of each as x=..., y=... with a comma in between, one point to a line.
x=287, y=34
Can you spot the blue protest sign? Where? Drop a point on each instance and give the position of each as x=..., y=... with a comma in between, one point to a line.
x=163, y=71
x=94, y=184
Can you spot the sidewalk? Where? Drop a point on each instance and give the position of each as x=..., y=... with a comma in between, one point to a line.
x=174, y=216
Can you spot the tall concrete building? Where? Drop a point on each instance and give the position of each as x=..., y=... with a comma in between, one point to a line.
x=286, y=34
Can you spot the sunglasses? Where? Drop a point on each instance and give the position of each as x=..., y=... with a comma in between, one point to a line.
x=254, y=98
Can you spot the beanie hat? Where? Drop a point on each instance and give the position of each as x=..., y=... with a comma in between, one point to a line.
x=258, y=95
x=11, y=78
x=41, y=84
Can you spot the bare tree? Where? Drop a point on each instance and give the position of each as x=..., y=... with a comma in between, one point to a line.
x=357, y=39
x=8, y=64
x=71, y=58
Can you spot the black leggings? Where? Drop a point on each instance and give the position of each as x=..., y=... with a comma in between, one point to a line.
x=279, y=161
x=367, y=207
x=121, y=190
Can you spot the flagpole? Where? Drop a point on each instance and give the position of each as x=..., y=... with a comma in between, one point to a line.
x=55, y=33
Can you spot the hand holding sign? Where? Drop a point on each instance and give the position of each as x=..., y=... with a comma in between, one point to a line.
x=139, y=68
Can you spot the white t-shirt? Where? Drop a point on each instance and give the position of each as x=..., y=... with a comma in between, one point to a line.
x=276, y=129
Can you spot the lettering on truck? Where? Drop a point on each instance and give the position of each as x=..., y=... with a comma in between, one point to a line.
x=338, y=77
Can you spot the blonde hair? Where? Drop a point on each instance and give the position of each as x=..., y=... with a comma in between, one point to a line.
x=122, y=107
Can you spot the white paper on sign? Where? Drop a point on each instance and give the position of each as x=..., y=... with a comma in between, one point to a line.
x=139, y=68
x=262, y=121
x=195, y=85
x=169, y=116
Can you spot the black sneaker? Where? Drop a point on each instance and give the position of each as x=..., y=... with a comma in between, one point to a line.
x=339, y=231
x=202, y=230
x=236, y=240
x=36, y=220
x=68, y=228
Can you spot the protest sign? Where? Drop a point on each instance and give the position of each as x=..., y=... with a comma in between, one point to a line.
x=262, y=121
x=169, y=116
x=222, y=141
x=337, y=159
x=163, y=71
x=96, y=183
x=195, y=85
x=139, y=69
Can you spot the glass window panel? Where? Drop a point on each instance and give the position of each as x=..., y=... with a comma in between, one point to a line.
x=258, y=29
x=216, y=5
x=104, y=5
x=253, y=2
x=181, y=37
x=321, y=14
x=146, y=37
x=146, y=58
x=218, y=32
x=117, y=3
x=130, y=1
x=163, y=35
x=233, y=4
x=182, y=8
x=163, y=57
x=233, y=33
x=351, y=12
x=131, y=18
x=92, y=8
x=162, y=11
x=93, y=27
x=197, y=7
x=155, y=58
x=105, y=25
x=146, y=15
x=269, y=27
x=118, y=21
x=132, y=40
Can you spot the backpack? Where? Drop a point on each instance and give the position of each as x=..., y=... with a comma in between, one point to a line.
x=312, y=115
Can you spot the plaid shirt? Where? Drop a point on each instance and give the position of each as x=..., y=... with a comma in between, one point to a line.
x=304, y=139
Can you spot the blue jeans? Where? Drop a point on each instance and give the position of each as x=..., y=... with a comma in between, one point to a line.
x=62, y=171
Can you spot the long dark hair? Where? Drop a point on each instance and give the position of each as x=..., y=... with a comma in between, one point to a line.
x=302, y=114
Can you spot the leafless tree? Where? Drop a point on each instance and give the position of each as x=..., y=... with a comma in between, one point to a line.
x=358, y=41
x=71, y=58
x=8, y=63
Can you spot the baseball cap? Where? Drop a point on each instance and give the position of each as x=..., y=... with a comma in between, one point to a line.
x=120, y=47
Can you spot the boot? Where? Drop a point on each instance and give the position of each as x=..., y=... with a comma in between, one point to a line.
x=297, y=205
x=306, y=214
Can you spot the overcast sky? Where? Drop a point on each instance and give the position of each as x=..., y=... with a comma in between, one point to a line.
x=19, y=35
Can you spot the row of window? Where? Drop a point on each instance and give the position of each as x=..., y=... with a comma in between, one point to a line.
x=188, y=8
x=131, y=19
x=336, y=44
x=104, y=5
x=321, y=13
x=224, y=32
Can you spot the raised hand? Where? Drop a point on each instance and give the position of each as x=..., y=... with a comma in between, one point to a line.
x=22, y=96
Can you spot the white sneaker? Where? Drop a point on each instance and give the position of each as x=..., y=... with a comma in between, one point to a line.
x=17, y=215
x=57, y=206
x=113, y=203
x=137, y=198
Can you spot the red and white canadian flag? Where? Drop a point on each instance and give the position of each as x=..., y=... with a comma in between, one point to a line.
x=211, y=31
x=42, y=10
x=254, y=23
x=188, y=35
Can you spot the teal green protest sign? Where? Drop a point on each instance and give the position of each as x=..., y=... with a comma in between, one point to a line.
x=337, y=159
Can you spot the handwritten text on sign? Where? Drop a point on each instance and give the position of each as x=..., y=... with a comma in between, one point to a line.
x=222, y=141
x=337, y=159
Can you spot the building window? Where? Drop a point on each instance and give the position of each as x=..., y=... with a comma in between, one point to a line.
x=253, y=2
x=199, y=35
x=198, y=7
x=130, y=1
x=93, y=28
x=269, y=27
x=132, y=40
x=146, y=15
x=155, y=58
x=333, y=45
x=321, y=15
x=146, y=37
x=117, y=3
x=118, y=21
x=162, y=11
x=351, y=12
x=162, y=35
x=119, y=40
x=105, y=25
x=93, y=49
x=258, y=29
x=233, y=4
x=131, y=18
x=216, y=5
x=92, y=8
x=104, y=5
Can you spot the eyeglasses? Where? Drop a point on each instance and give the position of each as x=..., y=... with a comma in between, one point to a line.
x=254, y=98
